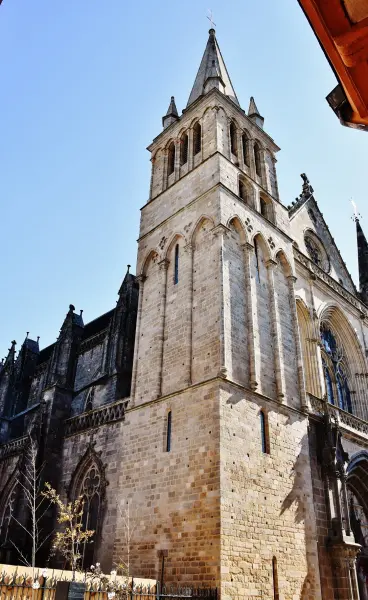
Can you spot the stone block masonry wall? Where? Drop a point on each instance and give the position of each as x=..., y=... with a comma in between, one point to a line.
x=174, y=496
x=266, y=501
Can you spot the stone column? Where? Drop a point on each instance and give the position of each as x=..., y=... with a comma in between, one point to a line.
x=163, y=266
x=249, y=285
x=298, y=350
x=275, y=325
x=164, y=170
x=344, y=567
x=252, y=162
x=140, y=279
x=240, y=149
x=151, y=180
x=177, y=159
x=189, y=250
x=220, y=231
x=190, y=148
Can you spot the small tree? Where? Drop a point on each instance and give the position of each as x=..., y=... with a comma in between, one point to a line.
x=72, y=537
x=30, y=483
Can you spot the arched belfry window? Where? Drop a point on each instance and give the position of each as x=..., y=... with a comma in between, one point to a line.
x=89, y=483
x=183, y=149
x=171, y=159
x=233, y=139
x=197, y=138
x=245, y=149
x=257, y=159
x=334, y=370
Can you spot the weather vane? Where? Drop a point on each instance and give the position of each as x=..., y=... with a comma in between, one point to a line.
x=210, y=18
x=356, y=215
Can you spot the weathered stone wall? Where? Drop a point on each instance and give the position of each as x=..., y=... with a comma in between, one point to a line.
x=173, y=496
x=266, y=500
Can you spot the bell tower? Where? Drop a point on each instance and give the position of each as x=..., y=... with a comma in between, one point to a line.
x=210, y=164
x=217, y=373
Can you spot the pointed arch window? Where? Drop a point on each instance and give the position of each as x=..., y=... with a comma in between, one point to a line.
x=245, y=148
x=233, y=139
x=197, y=138
x=257, y=159
x=171, y=159
x=334, y=370
x=176, y=265
x=183, y=149
x=89, y=483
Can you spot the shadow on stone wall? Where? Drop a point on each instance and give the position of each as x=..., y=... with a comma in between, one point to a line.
x=296, y=493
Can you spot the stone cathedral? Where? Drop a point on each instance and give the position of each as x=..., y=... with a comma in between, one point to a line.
x=224, y=398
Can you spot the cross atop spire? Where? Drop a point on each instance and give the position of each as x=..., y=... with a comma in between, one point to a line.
x=212, y=73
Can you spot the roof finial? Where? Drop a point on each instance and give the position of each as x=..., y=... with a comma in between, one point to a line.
x=27, y=335
x=210, y=18
x=356, y=216
x=38, y=339
x=128, y=268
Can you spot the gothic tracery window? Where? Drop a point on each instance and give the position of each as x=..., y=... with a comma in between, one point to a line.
x=334, y=370
x=89, y=483
x=316, y=251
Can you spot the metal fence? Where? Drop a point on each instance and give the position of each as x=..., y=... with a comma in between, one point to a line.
x=22, y=587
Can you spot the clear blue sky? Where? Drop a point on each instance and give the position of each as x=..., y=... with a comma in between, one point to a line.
x=83, y=88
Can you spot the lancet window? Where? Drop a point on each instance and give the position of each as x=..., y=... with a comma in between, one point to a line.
x=197, y=138
x=183, y=149
x=171, y=159
x=233, y=139
x=334, y=370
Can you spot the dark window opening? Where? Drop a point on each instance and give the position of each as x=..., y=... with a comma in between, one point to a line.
x=257, y=159
x=245, y=149
x=233, y=139
x=168, y=433
x=263, y=422
x=183, y=149
x=264, y=208
x=242, y=190
x=171, y=159
x=197, y=135
x=176, y=265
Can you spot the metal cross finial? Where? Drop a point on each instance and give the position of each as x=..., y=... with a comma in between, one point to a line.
x=356, y=215
x=210, y=18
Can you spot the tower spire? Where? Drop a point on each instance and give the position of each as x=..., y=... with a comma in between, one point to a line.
x=171, y=115
x=362, y=260
x=254, y=114
x=212, y=73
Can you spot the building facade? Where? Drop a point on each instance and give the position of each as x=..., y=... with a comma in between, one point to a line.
x=223, y=403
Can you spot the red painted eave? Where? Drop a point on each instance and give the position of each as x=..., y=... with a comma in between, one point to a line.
x=345, y=44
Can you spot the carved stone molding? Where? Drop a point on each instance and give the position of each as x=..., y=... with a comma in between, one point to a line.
x=95, y=418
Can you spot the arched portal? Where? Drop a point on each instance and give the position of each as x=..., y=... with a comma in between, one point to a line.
x=357, y=487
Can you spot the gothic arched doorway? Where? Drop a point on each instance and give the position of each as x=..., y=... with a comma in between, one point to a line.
x=357, y=485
